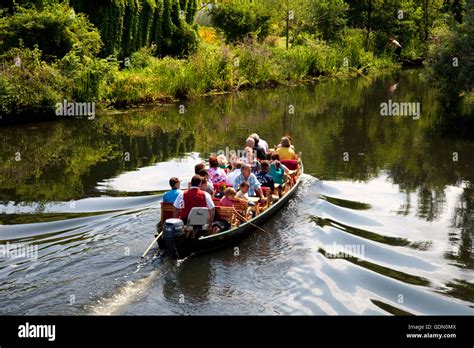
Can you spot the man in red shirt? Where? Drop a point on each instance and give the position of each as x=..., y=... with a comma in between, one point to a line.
x=194, y=197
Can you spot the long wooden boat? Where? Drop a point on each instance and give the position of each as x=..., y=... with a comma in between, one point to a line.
x=189, y=246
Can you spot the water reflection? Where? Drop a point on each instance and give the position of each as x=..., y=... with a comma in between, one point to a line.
x=401, y=186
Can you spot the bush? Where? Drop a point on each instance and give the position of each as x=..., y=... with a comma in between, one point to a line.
x=239, y=21
x=90, y=76
x=55, y=30
x=352, y=47
x=450, y=56
x=256, y=64
x=32, y=87
x=328, y=17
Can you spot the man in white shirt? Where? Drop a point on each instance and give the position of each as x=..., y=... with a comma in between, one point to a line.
x=194, y=197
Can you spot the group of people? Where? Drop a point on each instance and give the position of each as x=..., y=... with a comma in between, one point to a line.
x=237, y=178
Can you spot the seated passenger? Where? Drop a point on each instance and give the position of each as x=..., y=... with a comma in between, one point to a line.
x=216, y=174
x=289, y=138
x=170, y=196
x=229, y=198
x=207, y=186
x=259, y=150
x=251, y=160
x=285, y=151
x=234, y=174
x=251, y=179
x=243, y=192
x=260, y=141
x=275, y=159
x=198, y=167
x=223, y=162
x=194, y=197
x=277, y=172
x=264, y=178
x=223, y=222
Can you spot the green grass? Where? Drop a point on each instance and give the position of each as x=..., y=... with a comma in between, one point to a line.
x=223, y=68
x=213, y=68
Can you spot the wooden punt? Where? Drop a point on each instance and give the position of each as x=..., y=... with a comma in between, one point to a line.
x=206, y=243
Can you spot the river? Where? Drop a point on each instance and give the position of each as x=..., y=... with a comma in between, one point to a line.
x=82, y=196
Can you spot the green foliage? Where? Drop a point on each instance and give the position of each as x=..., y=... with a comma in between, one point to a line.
x=328, y=38
x=32, y=87
x=128, y=25
x=455, y=7
x=54, y=29
x=108, y=17
x=213, y=68
x=328, y=17
x=191, y=10
x=147, y=13
x=409, y=21
x=89, y=77
x=40, y=4
x=451, y=60
x=241, y=20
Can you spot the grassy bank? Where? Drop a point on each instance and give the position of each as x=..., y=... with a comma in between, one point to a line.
x=221, y=68
x=36, y=86
x=133, y=52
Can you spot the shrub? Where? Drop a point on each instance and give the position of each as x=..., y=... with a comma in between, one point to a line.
x=239, y=21
x=32, y=87
x=62, y=27
x=450, y=57
x=90, y=76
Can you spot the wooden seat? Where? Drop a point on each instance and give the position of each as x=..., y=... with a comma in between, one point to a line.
x=290, y=164
x=242, y=207
x=227, y=214
x=167, y=211
x=294, y=172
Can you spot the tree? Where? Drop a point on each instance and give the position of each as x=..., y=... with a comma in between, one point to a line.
x=63, y=28
x=241, y=20
x=328, y=17
x=451, y=59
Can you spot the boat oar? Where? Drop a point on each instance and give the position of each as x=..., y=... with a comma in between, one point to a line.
x=147, y=250
x=246, y=220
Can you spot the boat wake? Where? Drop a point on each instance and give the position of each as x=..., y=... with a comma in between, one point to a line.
x=131, y=291
x=336, y=248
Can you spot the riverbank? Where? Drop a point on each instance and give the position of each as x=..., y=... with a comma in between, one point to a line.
x=223, y=68
x=33, y=89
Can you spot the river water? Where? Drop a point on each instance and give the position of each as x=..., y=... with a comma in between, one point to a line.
x=79, y=200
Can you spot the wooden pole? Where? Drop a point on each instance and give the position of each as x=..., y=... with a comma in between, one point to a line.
x=147, y=250
x=246, y=220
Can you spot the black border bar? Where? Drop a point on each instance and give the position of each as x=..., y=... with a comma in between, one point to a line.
x=225, y=330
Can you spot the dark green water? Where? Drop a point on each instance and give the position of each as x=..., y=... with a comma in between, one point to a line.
x=395, y=189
